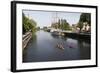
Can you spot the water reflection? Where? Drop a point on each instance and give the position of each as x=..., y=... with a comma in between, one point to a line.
x=43, y=47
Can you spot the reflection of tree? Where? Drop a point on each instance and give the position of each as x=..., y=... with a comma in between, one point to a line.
x=34, y=37
x=31, y=44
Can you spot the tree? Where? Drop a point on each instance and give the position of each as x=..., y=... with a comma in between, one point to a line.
x=64, y=25
x=84, y=17
x=80, y=25
x=38, y=28
x=45, y=28
x=28, y=24
x=61, y=24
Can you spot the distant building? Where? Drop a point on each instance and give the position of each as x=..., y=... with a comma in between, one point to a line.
x=86, y=27
x=74, y=28
x=78, y=30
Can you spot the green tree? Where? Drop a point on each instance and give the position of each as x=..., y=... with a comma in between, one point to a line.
x=84, y=17
x=28, y=24
x=80, y=25
x=61, y=24
x=64, y=25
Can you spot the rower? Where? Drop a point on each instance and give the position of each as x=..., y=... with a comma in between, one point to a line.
x=60, y=46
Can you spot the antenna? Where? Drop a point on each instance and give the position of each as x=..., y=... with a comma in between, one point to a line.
x=55, y=17
x=28, y=15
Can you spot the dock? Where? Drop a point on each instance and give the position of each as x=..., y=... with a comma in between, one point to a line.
x=26, y=38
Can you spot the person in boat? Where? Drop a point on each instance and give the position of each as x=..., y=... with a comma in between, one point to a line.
x=60, y=46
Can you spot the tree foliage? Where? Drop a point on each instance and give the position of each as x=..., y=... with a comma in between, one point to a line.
x=28, y=24
x=84, y=17
x=61, y=24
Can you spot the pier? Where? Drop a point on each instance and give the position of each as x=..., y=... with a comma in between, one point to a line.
x=78, y=35
x=26, y=37
x=82, y=35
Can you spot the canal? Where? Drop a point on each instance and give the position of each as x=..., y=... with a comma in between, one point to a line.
x=43, y=47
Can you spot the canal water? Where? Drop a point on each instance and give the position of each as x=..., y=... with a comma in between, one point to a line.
x=43, y=47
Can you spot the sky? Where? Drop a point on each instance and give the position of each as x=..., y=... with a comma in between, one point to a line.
x=45, y=18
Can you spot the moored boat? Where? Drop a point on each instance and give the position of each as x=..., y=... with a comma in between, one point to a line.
x=57, y=33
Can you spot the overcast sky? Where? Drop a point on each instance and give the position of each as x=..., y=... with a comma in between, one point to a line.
x=45, y=18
